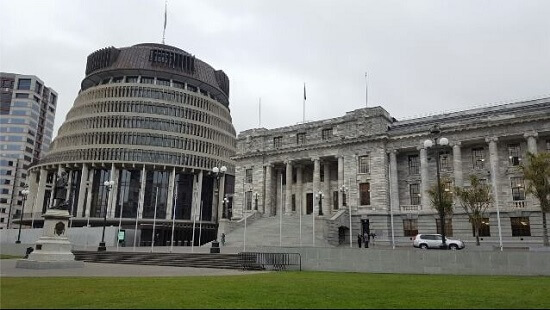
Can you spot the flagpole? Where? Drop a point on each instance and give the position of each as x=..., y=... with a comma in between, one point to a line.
x=194, y=223
x=366, y=91
x=300, y=215
x=200, y=224
x=260, y=113
x=165, y=20
x=120, y=218
x=304, y=105
x=173, y=219
x=281, y=215
x=154, y=220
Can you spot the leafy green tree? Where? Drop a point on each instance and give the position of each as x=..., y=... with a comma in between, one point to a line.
x=445, y=208
x=475, y=200
x=537, y=172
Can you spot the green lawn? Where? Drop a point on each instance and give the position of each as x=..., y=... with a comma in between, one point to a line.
x=279, y=290
x=5, y=256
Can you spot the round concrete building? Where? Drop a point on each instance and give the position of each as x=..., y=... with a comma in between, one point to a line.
x=155, y=121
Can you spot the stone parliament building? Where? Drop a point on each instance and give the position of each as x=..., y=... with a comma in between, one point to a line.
x=376, y=166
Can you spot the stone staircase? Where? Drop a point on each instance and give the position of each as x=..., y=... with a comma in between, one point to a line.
x=198, y=260
x=264, y=231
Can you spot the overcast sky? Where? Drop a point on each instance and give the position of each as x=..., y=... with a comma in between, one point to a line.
x=421, y=57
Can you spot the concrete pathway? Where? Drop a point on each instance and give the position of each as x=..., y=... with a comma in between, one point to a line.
x=7, y=269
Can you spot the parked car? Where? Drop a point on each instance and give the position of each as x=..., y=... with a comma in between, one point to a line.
x=434, y=241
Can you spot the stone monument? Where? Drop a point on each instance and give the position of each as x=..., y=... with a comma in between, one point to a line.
x=53, y=249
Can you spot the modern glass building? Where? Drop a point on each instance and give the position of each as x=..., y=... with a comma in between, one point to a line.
x=27, y=109
x=155, y=120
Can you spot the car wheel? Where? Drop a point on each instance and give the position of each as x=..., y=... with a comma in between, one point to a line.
x=424, y=246
x=453, y=247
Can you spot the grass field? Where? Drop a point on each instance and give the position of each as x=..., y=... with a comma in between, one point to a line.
x=279, y=290
x=5, y=256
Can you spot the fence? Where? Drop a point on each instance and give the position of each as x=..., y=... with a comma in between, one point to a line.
x=273, y=261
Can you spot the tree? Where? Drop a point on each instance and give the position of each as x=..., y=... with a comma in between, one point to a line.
x=445, y=208
x=537, y=172
x=475, y=200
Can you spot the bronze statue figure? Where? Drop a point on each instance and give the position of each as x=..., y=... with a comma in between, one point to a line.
x=60, y=196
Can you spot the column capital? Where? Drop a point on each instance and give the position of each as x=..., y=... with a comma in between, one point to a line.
x=491, y=139
x=456, y=143
x=392, y=151
x=268, y=165
x=420, y=147
x=530, y=134
x=288, y=162
x=315, y=158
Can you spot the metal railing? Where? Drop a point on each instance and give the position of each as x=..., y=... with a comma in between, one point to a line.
x=271, y=261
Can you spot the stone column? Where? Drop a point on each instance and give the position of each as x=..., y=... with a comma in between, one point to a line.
x=493, y=158
x=268, y=196
x=197, y=189
x=299, y=189
x=142, y=193
x=88, y=200
x=327, y=202
x=341, y=182
x=316, y=181
x=394, y=185
x=41, y=191
x=288, y=190
x=457, y=164
x=531, y=142
x=424, y=179
x=82, y=190
x=111, y=207
x=170, y=198
x=278, y=191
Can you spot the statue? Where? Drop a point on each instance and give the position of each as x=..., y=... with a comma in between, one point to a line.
x=60, y=197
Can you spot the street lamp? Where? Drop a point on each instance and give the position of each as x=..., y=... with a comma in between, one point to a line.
x=108, y=186
x=437, y=144
x=344, y=189
x=320, y=196
x=24, y=192
x=217, y=172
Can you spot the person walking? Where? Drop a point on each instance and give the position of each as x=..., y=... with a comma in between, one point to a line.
x=359, y=240
x=223, y=239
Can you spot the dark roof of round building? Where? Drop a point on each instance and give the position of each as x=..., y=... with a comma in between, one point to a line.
x=158, y=60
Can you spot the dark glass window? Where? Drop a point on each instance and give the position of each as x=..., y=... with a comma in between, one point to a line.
x=414, y=191
x=248, y=200
x=178, y=84
x=21, y=95
x=156, y=185
x=514, y=154
x=24, y=84
x=128, y=193
x=364, y=192
x=364, y=164
x=484, y=229
x=520, y=226
x=248, y=176
x=37, y=87
x=410, y=227
x=118, y=79
x=300, y=138
x=445, y=160
x=99, y=193
x=163, y=82
x=278, y=142
x=478, y=158
x=147, y=80
x=414, y=164
x=518, y=188
x=131, y=79
x=326, y=133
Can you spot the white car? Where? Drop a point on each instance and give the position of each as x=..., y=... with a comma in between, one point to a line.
x=434, y=241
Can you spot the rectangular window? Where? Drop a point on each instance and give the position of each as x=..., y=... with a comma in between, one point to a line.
x=518, y=188
x=293, y=202
x=364, y=192
x=326, y=133
x=300, y=138
x=445, y=160
x=410, y=227
x=248, y=174
x=364, y=164
x=478, y=158
x=248, y=199
x=414, y=164
x=277, y=142
x=448, y=227
x=514, y=154
x=414, y=191
x=21, y=95
x=117, y=79
x=178, y=84
x=163, y=82
x=24, y=84
x=520, y=226
x=484, y=230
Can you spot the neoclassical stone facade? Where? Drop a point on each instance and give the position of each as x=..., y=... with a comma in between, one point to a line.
x=377, y=165
x=155, y=120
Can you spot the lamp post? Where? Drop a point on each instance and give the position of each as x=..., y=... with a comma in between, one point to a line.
x=108, y=187
x=217, y=173
x=24, y=192
x=437, y=143
x=344, y=189
x=320, y=196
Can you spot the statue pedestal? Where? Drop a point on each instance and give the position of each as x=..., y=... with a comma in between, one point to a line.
x=53, y=249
